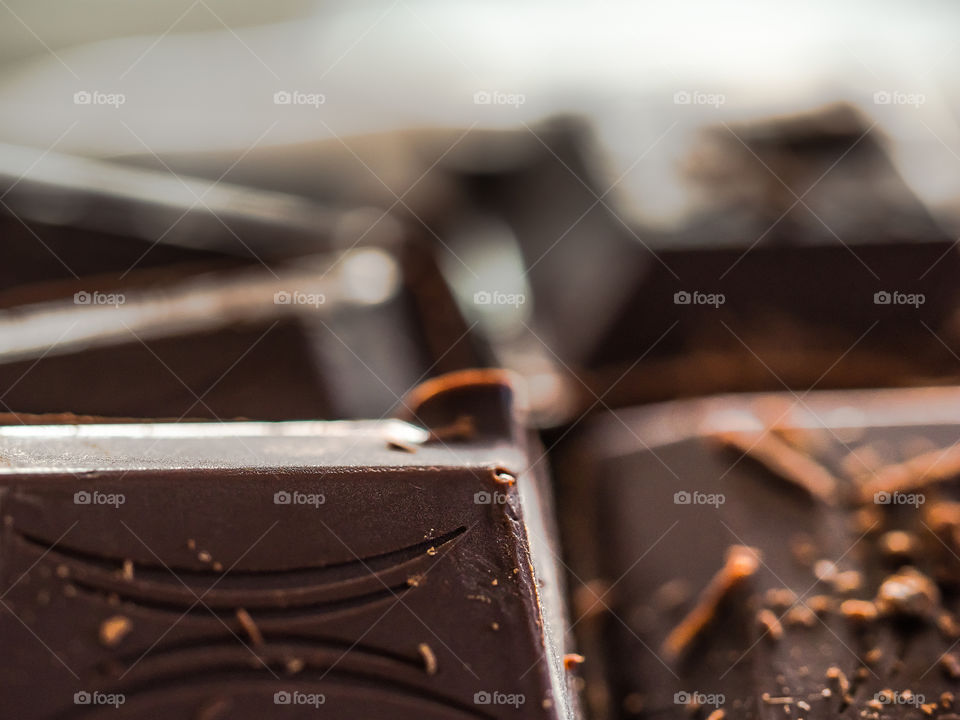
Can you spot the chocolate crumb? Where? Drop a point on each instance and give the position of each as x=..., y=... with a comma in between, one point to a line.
x=429, y=659
x=859, y=611
x=127, y=572
x=825, y=570
x=294, y=665
x=820, y=604
x=114, y=629
x=249, y=626
x=847, y=582
x=951, y=665
x=771, y=623
x=908, y=592
x=897, y=544
x=947, y=624
x=801, y=616
x=741, y=563
x=839, y=681
x=780, y=598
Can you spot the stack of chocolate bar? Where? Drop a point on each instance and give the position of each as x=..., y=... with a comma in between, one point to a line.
x=258, y=458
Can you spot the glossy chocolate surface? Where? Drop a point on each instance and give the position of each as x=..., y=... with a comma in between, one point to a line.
x=769, y=556
x=250, y=570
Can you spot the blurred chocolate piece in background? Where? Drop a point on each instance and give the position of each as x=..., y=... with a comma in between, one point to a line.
x=712, y=320
x=323, y=337
x=814, y=266
x=252, y=304
x=757, y=552
x=820, y=177
x=65, y=217
x=365, y=569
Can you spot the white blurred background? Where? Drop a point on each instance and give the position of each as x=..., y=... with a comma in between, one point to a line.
x=203, y=75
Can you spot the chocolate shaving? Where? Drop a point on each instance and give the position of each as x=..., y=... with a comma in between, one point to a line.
x=951, y=665
x=783, y=460
x=771, y=623
x=741, y=563
x=114, y=629
x=429, y=659
x=249, y=626
x=915, y=474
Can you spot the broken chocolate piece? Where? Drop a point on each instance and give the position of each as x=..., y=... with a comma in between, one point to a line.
x=318, y=526
x=334, y=336
x=860, y=624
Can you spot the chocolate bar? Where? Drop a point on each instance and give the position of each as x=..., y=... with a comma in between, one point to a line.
x=321, y=337
x=818, y=177
x=64, y=217
x=374, y=569
x=769, y=556
x=711, y=320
